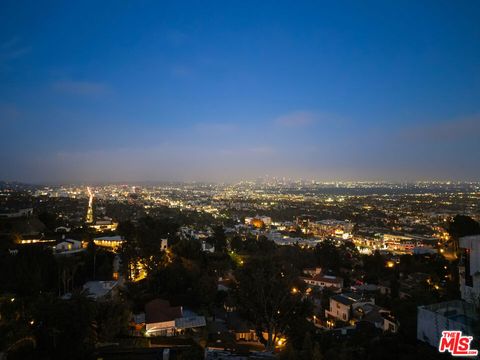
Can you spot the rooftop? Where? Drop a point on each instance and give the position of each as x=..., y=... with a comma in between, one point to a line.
x=110, y=238
x=159, y=310
x=455, y=310
x=343, y=299
x=98, y=289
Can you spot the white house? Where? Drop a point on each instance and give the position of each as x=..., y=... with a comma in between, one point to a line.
x=340, y=307
x=354, y=308
x=469, y=270
x=324, y=281
x=206, y=247
x=343, y=305
x=68, y=246
x=164, y=245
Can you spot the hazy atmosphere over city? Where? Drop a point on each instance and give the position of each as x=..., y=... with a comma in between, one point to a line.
x=102, y=91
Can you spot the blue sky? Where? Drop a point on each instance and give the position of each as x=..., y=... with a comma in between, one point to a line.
x=151, y=90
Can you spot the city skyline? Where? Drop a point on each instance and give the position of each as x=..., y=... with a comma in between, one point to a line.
x=147, y=92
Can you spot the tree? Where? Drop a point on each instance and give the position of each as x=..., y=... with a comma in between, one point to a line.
x=289, y=353
x=317, y=354
x=236, y=243
x=65, y=327
x=48, y=219
x=130, y=256
x=206, y=289
x=126, y=229
x=326, y=294
x=193, y=352
x=143, y=243
x=67, y=267
x=307, y=347
x=374, y=267
x=296, y=256
x=32, y=270
x=264, y=295
x=266, y=246
x=219, y=240
x=189, y=249
x=128, y=250
x=328, y=256
x=460, y=226
x=112, y=319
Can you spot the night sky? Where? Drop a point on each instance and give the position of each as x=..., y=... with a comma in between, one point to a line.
x=98, y=91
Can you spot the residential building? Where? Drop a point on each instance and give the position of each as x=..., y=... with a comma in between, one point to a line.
x=68, y=246
x=342, y=305
x=105, y=224
x=163, y=244
x=356, y=307
x=161, y=319
x=16, y=214
x=331, y=227
x=376, y=315
x=450, y=315
x=102, y=290
x=324, y=281
x=469, y=269
x=111, y=242
x=312, y=271
x=206, y=247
